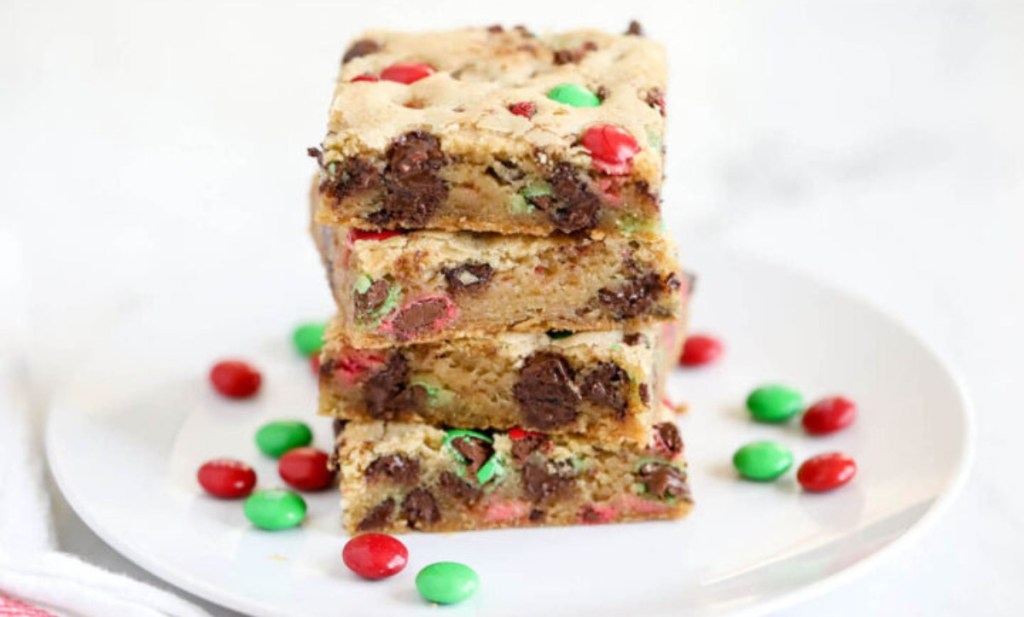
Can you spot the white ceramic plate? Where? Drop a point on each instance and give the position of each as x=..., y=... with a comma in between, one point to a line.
x=127, y=435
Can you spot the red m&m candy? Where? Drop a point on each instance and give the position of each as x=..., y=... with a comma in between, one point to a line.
x=700, y=349
x=826, y=472
x=611, y=148
x=369, y=234
x=235, y=379
x=365, y=77
x=406, y=72
x=829, y=415
x=305, y=469
x=525, y=109
x=226, y=478
x=375, y=555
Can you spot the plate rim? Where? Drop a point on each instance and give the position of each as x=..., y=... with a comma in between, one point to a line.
x=921, y=527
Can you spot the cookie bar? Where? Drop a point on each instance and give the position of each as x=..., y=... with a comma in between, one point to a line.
x=394, y=288
x=605, y=385
x=397, y=477
x=488, y=129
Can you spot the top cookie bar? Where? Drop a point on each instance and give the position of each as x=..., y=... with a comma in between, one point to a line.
x=496, y=130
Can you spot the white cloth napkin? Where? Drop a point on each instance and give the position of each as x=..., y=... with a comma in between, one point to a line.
x=31, y=568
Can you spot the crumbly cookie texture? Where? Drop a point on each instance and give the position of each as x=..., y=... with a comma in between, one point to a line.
x=432, y=285
x=606, y=386
x=399, y=477
x=500, y=130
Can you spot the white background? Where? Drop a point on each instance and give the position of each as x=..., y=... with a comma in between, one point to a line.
x=877, y=145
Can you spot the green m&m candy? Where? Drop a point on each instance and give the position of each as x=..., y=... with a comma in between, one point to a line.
x=276, y=438
x=275, y=509
x=309, y=338
x=774, y=403
x=447, y=582
x=573, y=96
x=762, y=460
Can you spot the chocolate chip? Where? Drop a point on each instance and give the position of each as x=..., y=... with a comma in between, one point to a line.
x=667, y=438
x=475, y=451
x=496, y=28
x=632, y=298
x=545, y=391
x=633, y=338
x=398, y=468
x=419, y=508
x=635, y=29
x=348, y=177
x=412, y=188
x=589, y=46
x=565, y=56
x=317, y=154
x=419, y=316
x=374, y=297
x=378, y=517
x=602, y=93
x=570, y=206
x=663, y=481
x=656, y=98
x=544, y=482
x=470, y=276
x=536, y=515
x=387, y=393
x=523, y=447
x=459, y=489
x=645, y=393
x=362, y=47
x=606, y=385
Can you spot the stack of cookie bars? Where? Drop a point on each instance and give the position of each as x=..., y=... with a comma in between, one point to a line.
x=488, y=211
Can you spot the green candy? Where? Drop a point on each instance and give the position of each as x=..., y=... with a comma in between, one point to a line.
x=774, y=403
x=309, y=338
x=491, y=469
x=447, y=582
x=276, y=438
x=573, y=96
x=762, y=460
x=275, y=509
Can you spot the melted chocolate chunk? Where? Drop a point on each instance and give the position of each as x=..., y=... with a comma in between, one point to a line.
x=663, y=481
x=545, y=391
x=632, y=298
x=645, y=393
x=606, y=385
x=457, y=488
x=470, y=276
x=378, y=517
x=602, y=93
x=522, y=448
x=348, y=177
x=387, y=393
x=397, y=468
x=419, y=316
x=544, y=482
x=633, y=338
x=570, y=206
x=373, y=299
x=668, y=438
x=536, y=515
x=362, y=47
x=475, y=451
x=412, y=187
x=420, y=508
x=635, y=29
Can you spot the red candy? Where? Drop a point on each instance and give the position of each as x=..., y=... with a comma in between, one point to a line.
x=611, y=148
x=515, y=434
x=365, y=234
x=305, y=469
x=406, y=72
x=365, y=77
x=375, y=555
x=829, y=415
x=700, y=349
x=525, y=109
x=226, y=478
x=826, y=472
x=235, y=379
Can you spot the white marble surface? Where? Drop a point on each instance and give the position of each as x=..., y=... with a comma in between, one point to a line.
x=877, y=145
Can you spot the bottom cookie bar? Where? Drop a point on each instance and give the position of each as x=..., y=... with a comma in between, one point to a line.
x=397, y=477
